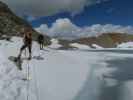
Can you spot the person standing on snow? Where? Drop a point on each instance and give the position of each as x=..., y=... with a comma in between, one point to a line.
x=27, y=39
x=41, y=41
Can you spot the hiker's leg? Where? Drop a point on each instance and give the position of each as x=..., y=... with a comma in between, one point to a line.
x=30, y=47
x=21, y=50
x=40, y=46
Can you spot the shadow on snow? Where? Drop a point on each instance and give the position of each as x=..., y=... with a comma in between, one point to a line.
x=96, y=89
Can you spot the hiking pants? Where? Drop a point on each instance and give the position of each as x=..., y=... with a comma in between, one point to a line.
x=26, y=46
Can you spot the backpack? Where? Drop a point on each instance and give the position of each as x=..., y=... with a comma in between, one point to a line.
x=40, y=38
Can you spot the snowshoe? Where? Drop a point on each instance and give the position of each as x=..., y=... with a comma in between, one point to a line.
x=38, y=58
x=17, y=61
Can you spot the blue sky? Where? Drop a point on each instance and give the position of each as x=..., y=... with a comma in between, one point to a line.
x=118, y=12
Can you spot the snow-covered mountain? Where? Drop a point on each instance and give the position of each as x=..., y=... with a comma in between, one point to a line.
x=106, y=36
x=106, y=40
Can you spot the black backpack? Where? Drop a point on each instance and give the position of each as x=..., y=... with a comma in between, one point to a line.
x=40, y=38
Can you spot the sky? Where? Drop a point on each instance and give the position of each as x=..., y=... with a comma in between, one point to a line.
x=118, y=12
x=72, y=16
x=80, y=12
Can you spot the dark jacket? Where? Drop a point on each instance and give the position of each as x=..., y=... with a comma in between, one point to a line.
x=40, y=39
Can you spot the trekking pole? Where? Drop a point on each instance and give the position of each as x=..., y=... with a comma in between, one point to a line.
x=25, y=52
x=28, y=80
x=35, y=80
x=36, y=85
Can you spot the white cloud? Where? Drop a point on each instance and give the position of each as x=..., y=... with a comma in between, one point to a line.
x=43, y=29
x=61, y=28
x=97, y=29
x=48, y=7
x=66, y=29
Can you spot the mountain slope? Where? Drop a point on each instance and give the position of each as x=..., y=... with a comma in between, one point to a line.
x=11, y=25
x=106, y=40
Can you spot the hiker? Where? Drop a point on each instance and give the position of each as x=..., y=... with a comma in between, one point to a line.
x=27, y=39
x=41, y=41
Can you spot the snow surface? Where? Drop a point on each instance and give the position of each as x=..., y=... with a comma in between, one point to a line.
x=55, y=44
x=66, y=75
x=97, y=46
x=125, y=45
x=80, y=46
x=11, y=84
